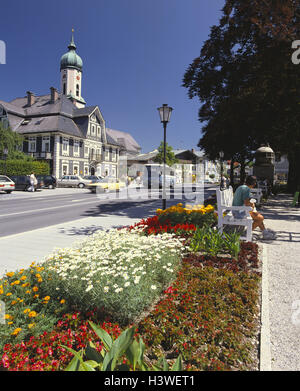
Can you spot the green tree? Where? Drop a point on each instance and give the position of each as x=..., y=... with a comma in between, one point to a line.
x=170, y=156
x=11, y=141
x=248, y=87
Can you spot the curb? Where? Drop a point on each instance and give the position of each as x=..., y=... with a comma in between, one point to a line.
x=265, y=340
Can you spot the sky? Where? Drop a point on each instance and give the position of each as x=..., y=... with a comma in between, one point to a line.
x=134, y=52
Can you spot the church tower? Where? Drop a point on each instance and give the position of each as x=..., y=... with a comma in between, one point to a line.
x=71, y=75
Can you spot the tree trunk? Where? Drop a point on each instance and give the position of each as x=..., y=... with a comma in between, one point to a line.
x=242, y=172
x=294, y=171
x=231, y=172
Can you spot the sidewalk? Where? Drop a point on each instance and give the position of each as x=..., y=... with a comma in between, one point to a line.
x=16, y=251
x=283, y=273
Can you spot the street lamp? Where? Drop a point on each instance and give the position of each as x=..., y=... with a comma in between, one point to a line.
x=165, y=115
x=221, y=154
x=5, y=153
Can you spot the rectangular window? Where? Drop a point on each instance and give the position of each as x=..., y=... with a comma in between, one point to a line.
x=106, y=155
x=32, y=144
x=93, y=130
x=114, y=156
x=76, y=147
x=65, y=146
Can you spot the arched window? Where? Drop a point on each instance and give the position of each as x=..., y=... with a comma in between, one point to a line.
x=77, y=89
x=64, y=89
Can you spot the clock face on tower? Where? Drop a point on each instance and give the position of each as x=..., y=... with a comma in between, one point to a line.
x=78, y=77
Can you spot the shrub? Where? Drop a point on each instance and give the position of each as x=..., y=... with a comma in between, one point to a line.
x=24, y=167
x=121, y=271
x=198, y=215
x=211, y=241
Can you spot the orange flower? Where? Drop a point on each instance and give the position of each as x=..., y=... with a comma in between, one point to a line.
x=35, y=289
x=32, y=314
x=62, y=301
x=16, y=331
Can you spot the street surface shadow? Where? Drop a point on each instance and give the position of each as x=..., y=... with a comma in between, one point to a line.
x=281, y=236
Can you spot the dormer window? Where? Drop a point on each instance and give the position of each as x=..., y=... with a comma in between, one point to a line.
x=26, y=121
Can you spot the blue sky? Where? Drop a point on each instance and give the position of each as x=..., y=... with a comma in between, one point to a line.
x=134, y=52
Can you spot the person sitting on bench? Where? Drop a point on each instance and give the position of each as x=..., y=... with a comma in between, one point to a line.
x=242, y=197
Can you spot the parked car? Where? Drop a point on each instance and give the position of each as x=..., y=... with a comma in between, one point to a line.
x=73, y=181
x=92, y=178
x=106, y=184
x=22, y=182
x=6, y=184
x=48, y=180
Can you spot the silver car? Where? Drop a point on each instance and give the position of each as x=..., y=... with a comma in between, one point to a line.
x=73, y=181
x=6, y=184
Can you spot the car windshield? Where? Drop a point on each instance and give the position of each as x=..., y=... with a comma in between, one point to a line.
x=4, y=179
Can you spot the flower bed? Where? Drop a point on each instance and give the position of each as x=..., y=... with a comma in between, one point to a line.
x=208, y=314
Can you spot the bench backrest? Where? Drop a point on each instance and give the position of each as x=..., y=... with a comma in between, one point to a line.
x=225, y=197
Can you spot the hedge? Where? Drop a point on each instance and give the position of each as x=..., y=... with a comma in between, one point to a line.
x=23, y=167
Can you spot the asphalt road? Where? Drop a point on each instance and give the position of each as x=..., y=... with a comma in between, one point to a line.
x=23, y=211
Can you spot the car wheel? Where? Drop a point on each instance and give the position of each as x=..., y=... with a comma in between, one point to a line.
x=50, y=187
x=8, y=191
x=81, y=185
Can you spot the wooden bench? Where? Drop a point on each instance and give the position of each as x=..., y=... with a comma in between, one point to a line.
x=225, y=216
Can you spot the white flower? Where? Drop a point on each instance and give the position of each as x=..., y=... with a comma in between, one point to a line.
x=127, y=284
x=153, y=287
x=106, y=289
x=89, y=288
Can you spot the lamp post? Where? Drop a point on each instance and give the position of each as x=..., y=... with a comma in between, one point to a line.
x=5, y=153
x=165, y=114
x=221, y=154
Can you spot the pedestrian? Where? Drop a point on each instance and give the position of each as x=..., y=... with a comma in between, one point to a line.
x=242, y=197
x=33, y=182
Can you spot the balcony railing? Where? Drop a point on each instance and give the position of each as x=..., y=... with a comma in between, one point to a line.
x=95, y=157
x=41, y=155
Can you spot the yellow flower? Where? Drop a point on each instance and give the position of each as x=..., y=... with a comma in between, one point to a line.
x=21, y=271
x=7, y=316
x=38, y=275
x=25, y=285
x=13, y=302
x=35, y=296
x=35, y=289
x=23, y=278
x=28, y=292
x=10, y=323
x=16, y=331
x=31, y=325
x=159, y=211
x=10, y=274
x=180, y=204
x=32, y=314
x=26, y=311
x=8, y=294
x=40, y=280
x=46, y=298
x=21, y=301
x=62, y=301
x=17, y=282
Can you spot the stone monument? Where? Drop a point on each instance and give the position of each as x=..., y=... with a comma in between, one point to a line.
x=264, y=164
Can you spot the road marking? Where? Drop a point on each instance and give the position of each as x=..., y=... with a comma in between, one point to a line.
x=40, y=210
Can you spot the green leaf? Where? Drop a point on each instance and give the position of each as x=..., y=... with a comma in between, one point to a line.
x=73, y=365
x=92, y=363
x=83, y=366
x=177, y=365
x=92, y=353
x=119, y=347
x=133, y=353
x=103, y=335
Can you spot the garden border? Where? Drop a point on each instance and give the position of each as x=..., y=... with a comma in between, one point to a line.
x=265, y=341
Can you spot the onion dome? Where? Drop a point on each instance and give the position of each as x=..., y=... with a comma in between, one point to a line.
x=71, y=59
